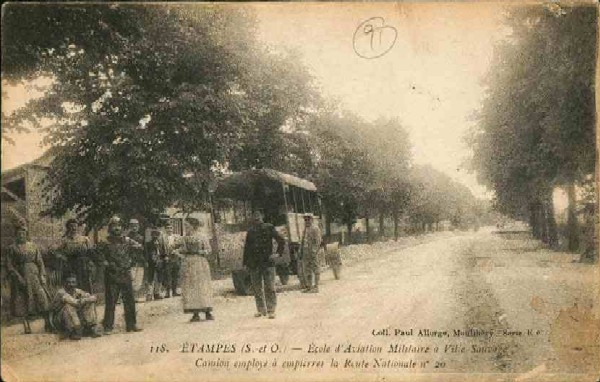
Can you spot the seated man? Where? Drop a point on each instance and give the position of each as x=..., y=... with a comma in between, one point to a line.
x=73, y=311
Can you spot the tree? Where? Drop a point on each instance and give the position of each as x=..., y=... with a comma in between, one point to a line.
x=388, y=146
x=341, y=170
x=149, y=102
x=536, y=126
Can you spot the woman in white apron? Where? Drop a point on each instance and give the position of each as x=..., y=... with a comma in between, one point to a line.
x=196, y=281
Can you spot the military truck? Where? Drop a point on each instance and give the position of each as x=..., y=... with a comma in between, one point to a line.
x=284, y=199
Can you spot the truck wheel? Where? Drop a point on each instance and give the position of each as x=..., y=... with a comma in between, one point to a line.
x=242, y=282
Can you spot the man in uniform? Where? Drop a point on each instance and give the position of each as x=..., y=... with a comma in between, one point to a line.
x=156, y=258
x=74, y=311
x=309, y=253
x=141, y=265
x=173, y=263
x=119, y=254
x=258, y=251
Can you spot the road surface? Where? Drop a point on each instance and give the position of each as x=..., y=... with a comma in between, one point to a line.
x=498, y=305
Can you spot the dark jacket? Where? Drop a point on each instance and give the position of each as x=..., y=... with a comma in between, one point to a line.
x=156, y=253
x=259, y=246
x=119, y=254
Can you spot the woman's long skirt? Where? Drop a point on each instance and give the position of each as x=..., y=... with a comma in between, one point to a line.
x=196, y=284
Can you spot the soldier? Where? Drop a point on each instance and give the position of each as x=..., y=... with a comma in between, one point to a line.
x=74, y=311
x=119, y=255
x=76, y=250
x=141, y=265
x=28, y=279
x=156, y=258
x=173, y=262
x=309, y=253
x=258, y=251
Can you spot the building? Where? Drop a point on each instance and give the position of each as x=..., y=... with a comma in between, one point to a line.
x=23, y=201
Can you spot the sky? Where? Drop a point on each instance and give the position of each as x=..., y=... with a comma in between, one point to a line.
x=431, y=77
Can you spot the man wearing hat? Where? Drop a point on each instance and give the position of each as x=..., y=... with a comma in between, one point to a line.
x=27, y=273
x=173, y=261
x=309, y=254
x=119, y=256
x=258, y=251
x=156, y=260
x=74, y=311
x=140, y=267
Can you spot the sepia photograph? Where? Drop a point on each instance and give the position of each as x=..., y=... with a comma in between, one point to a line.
x=299, y=191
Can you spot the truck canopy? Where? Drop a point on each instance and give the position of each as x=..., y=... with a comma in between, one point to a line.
x=246, y=184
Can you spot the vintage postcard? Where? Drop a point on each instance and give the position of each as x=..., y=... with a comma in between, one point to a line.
x=381, y=191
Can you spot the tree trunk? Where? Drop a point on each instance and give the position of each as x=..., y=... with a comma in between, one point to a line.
x=551, y=232
x=572, y=225
x=327, y=226
x=95, y=236
x=368, y=228
x=395, y=226
x=349, y=227
x=381, y=225
x=543, y=213
x=534, y=220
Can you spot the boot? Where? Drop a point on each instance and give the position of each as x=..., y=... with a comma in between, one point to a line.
x=195, y=317
x=76, y=333
x=93, y=330
x=209, y=315
x=47, y=325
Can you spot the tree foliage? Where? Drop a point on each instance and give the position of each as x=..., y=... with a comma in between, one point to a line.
x=536, y=127
x=149, y=102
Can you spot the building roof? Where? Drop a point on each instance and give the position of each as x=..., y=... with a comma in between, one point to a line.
x=41, y=162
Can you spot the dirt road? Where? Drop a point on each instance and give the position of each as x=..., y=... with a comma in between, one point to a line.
x=477, y=302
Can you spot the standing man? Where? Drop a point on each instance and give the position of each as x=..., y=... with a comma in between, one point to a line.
x=174, y=259
x=27, y=279
x=74, y=311
x=119, y=255
x=309, y=252
x=156, y=258
x=258, y=251
x=76, y=249
x=140, y=267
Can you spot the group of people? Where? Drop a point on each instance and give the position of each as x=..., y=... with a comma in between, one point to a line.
x=164, y=257
x=258, y=258
x=72, y=310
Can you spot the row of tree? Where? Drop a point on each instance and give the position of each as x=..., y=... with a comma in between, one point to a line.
x=536, y=130
x=151, y=104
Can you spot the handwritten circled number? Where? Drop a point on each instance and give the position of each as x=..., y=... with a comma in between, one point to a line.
x=373, y=39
